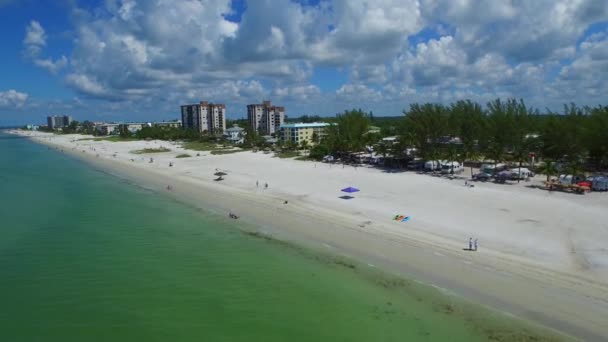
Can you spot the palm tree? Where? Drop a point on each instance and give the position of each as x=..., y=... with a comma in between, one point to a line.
x=304, y=145
x=315, y=138
x=548, y=169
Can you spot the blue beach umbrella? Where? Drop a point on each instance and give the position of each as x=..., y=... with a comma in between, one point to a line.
x=350, y=190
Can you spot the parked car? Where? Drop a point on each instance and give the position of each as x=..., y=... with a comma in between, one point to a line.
x=523, y=173
x=433, y=165
x=570, y=179
x=492, y=169
x=482, y=177
x=328, y=159
x=598, y=182
x=451, y=167
x=416, y=164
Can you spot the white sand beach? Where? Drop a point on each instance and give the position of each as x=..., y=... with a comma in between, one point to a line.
x=542, y=255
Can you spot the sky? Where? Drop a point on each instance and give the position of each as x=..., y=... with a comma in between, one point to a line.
x=139, y=60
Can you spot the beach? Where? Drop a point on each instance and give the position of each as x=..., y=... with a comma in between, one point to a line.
x=542, y=255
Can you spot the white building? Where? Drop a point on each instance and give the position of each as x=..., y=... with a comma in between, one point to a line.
x=204, y=117
x=235, y=134
x=106, y=128
x=265, y=118
x=312, y=132
x=58, y=121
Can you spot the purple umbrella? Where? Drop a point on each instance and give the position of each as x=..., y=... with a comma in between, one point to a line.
x=350, y=190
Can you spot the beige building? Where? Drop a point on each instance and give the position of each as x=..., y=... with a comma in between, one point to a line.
x=299, y=132
x=204, y=117
x=265, y=118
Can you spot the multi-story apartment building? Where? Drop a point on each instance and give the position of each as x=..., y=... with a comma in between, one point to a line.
x=265, y=118
x=204, y=117
x=58, y=121
x=312, y=133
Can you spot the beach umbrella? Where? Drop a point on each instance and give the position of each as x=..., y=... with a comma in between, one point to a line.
x=220, y=174
x=350, y=190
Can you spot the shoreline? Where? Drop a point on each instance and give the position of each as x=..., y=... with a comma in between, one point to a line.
x=570, y=302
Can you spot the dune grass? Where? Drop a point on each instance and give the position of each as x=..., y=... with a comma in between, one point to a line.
x=286, y=154
x=225, y=151
x=199, y=146
x=151, y=150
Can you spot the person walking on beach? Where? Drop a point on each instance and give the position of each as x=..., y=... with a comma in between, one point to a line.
x=265, y=185
x=257, y=184
x=470, y=244
x=475, y=244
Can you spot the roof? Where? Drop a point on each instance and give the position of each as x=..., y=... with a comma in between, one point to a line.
x=305, y=125
x=234, y=129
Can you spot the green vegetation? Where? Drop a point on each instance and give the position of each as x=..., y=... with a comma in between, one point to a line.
x=117, y=138
x=183, y=155
x=112, y=138
x=200, y=145
x=151, y=150
x=167, y=133
x=286, y=154
x=502, y=131
x=226, y=151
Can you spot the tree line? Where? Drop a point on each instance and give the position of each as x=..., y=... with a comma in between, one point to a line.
x=502, y=131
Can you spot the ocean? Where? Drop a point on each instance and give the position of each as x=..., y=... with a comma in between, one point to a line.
x=86, y=256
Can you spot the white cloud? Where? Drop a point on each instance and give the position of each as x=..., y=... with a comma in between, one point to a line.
x=357, y=93
x=12, y=99
x=297, y=92
x=35, y=39
x=85, y=84
x=52, y=66
x=519, y=30
x=157, y=53
x=585, y=78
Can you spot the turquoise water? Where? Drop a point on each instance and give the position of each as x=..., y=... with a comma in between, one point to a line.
x=85, y=256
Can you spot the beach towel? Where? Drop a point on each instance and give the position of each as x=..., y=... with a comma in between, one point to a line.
x=401, y=218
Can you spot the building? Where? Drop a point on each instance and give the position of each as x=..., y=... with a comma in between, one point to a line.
x=173, y=124
x=265, y=118
x=107, y=128
x=204, y=117
x=58, y=121
x=235, y=134
x=299, y=132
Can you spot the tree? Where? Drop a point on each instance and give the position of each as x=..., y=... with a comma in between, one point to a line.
x=382, y=149
x=347, y=132
x=123, y=131
x=304, y=145
x=315, y=138
x=469, y=123
x=596, y=137
x=548, y=169
x=507, y=127
x=424, y=126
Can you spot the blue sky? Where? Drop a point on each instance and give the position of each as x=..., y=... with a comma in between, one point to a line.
x=139, y=60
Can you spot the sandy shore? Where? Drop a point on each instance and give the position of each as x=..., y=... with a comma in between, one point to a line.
x=543, y=255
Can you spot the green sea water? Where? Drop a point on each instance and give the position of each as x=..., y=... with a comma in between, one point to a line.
x=85, y=256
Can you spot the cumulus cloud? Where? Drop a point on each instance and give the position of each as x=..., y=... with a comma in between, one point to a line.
x=586, y=76
x=357, y=93
x=35, y=39
x=51, y=65
x=147, y=53
x=33, y=44
x=520, y=30
x=12, y=99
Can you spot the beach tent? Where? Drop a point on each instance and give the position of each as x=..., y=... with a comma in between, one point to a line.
x=348, y=190
x=220, y=175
